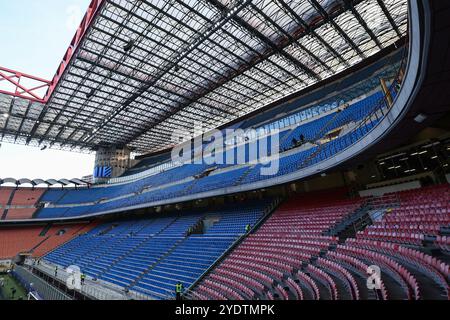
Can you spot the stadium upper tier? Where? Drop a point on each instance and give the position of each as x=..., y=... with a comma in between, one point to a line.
x=333, y=125
x=297, y=111
x=137, y=70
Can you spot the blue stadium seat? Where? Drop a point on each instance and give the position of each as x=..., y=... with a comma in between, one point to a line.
x=151, y=255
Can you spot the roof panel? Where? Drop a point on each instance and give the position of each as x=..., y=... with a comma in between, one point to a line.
x=145, y=68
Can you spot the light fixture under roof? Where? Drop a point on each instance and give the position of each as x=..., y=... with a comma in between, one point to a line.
x=90, y=93
x=420, y=118
x=128, y=46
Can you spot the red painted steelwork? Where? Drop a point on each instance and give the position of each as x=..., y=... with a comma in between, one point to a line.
x=20, y=89
x=23, y=91
x=85, y=23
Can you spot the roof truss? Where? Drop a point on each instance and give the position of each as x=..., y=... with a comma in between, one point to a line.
x=137, y=69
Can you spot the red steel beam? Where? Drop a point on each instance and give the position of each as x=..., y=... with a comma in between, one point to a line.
x=85, y=23
x=14, y=77
x=21, y=90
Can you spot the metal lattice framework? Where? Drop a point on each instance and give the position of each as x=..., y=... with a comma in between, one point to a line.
x=137, y=70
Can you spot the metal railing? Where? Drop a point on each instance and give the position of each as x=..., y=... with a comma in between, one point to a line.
x=35, y=284
x=144, y=174
x=92, y=289
x=188, y=294
x=385, y=201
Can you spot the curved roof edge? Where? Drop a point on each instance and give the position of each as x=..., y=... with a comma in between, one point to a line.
x=49, y=182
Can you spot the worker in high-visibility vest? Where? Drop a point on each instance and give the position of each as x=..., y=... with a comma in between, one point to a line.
x=179, y=290
x=248, y=228
x=83, y=278
x=398, y=85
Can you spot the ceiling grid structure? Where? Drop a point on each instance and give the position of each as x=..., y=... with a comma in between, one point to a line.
x=144, y=69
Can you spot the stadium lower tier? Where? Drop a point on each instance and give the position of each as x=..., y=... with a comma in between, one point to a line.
x=319, y=245
x=149, y=256
x=296, y=254
x=37, y=240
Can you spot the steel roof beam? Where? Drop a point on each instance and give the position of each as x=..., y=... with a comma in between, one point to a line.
x=349, y=5
x=11, y=104
x=134, y=107
x=352, y=44
x=12, y=133
x=104, y=49
x=242, y=43
x=296, y=62
x=200, y=50
x=389, y=17
x=310, y=30
x=181, y=67
x=267, y=41
x=184, y=68
x=92, y=80
x=23, y=120
x=176, y=61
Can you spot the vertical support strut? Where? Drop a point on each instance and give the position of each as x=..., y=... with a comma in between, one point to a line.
x=386, y=91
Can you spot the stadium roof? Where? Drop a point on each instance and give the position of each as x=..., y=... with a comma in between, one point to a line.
x=49, y=182
x=137, y=70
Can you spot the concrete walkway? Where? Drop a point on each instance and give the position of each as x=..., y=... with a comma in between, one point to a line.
x=95, y=289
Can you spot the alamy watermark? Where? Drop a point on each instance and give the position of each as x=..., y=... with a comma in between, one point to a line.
x=228, y=147
x=74, y=16
x=374, y=277
x=73, y=281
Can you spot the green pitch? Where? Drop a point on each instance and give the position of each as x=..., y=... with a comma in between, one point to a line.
x=9, y=285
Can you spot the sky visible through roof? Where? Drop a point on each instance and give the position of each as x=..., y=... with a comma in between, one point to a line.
x=34, y=36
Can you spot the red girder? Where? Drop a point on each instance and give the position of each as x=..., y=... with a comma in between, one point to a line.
x=85, y=23
x=15, y=79
x=16, y=87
